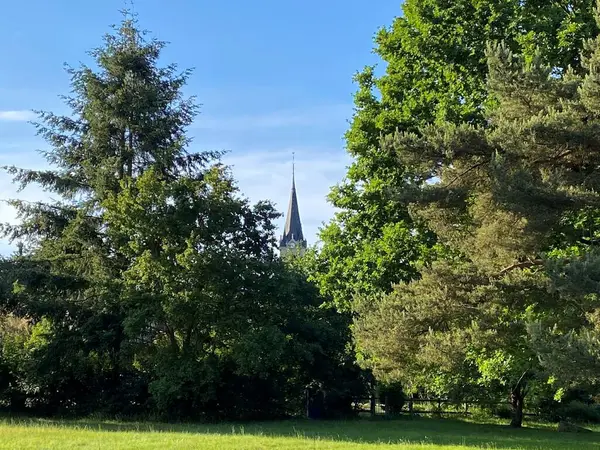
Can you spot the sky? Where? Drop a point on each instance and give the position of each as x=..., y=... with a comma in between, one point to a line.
x=273, y=78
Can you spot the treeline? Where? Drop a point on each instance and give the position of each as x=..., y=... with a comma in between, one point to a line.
x=463, y=261
x=466, y=245
x=152, y=287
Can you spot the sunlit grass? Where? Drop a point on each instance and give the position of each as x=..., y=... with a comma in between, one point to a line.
x=297, y=434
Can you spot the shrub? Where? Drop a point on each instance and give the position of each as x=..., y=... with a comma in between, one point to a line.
x=578, y=411
x=502, y=411
x=392, y=395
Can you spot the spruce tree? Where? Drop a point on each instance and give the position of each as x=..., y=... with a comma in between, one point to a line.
x=152, y=282
x=127, y=116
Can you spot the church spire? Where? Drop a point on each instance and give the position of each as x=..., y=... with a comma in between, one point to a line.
x=292, y=232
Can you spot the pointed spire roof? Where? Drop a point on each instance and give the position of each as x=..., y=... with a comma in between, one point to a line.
x=293, y=226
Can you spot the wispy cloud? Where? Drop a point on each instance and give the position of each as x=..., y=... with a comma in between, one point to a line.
x=320, y=116
x=260, y=174
x=17, y=115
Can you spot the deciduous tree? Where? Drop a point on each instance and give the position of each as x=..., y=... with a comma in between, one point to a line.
x=435, y=70
x=501, y=199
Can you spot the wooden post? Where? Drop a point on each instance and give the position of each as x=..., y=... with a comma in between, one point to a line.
x=307, y=404
x=373, y=404
x=410, y=406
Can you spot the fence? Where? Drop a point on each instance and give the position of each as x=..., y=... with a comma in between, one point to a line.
x=413, y=406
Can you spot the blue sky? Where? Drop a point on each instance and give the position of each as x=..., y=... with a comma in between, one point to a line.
x=273, y=78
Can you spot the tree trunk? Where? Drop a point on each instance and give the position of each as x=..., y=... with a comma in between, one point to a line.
x=130, y=155
x=17, y=402
x=373, y=404
x=122, y=157
x=516, y=402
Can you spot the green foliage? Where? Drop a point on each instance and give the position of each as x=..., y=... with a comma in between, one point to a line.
x=152, y=285
x=577, y=411
x=14, y=333
x=435, y=71
x=250, y=322
x=501, y=199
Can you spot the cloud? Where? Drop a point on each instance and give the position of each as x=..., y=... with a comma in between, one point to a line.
x=260, y=174
x=320, y=116
x=17, y=116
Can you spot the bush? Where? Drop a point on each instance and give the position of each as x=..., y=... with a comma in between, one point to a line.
x=543, y=403
x=578, y=411
x=392, y=395
x=502, y=411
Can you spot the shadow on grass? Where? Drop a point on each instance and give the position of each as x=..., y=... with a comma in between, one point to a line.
x=408, y=431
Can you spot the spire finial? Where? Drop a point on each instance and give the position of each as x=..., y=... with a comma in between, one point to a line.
x=294, y=168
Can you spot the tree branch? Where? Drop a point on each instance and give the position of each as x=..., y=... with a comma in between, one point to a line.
x=460, y=175
x=518, y=383
x=554, y=158
x=522, y=265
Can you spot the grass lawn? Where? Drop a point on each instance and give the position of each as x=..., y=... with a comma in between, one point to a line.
x=403, y=434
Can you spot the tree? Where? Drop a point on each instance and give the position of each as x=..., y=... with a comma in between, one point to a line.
x=153, y=284
x=435, y=71
x=14, y=332
x=219, y=324
x=127, y=115
x=501, y=199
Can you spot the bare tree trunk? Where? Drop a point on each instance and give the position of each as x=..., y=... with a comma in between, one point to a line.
x=517, y=399
x=373, y=404
x=122, y=156
x=130, y=155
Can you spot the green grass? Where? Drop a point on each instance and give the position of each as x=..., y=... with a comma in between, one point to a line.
x=297, y=434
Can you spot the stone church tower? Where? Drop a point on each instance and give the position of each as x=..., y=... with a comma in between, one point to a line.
x=293, y=238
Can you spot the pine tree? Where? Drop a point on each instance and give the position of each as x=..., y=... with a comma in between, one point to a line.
x=435, y=70
x=504, y=201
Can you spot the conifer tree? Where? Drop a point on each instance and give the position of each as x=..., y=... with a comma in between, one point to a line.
x=508, y=202
x=127, y=115
x=435, y=70
x=152, y=282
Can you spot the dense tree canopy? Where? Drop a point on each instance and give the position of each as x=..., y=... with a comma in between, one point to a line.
x=519, y=272
x=463, y=260
x=152, y=284
x=435, y=71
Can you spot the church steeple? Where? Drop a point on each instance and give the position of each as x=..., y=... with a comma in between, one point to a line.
x=292, y=233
